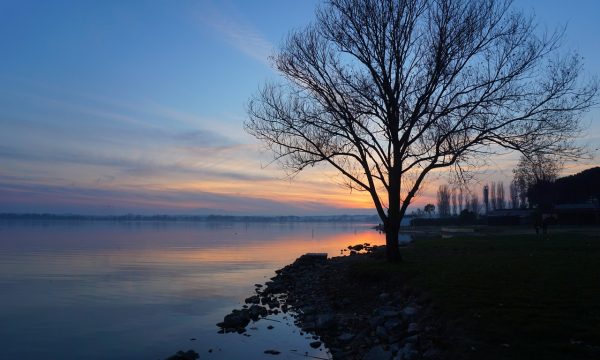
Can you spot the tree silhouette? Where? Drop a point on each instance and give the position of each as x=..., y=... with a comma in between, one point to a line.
x=454, y=203
x=535, y=174
x=429, y=209
x=486, y=197
x=500, y=199
x=443, y=200
x=514, y=195
x=388, y=91
x=493, y=197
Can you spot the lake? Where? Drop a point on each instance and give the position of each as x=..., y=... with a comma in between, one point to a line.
x=144, y=290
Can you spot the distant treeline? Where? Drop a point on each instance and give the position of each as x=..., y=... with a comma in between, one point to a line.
x=204, y=218
x=578, y=188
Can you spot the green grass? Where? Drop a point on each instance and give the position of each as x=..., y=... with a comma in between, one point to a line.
x=517, y=296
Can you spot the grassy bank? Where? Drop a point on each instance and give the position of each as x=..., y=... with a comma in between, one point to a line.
x=515, y=296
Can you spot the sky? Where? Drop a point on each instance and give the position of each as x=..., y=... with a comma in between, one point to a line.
x=113, y=107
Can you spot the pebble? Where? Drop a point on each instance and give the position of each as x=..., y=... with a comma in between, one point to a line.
x=378, y=330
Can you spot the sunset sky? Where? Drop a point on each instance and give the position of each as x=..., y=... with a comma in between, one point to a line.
x=112, y=107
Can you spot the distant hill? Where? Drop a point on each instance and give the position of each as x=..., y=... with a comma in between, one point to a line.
x=578, y=188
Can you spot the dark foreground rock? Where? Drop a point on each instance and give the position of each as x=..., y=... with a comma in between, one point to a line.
x=356, y=316
x=188, y=355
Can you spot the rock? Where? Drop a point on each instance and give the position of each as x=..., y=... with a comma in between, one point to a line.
x=256, y=311
x=188, y=355
x=324, y=321
x=345, y=338
x=412, y=339
x=384, y=296
x=413, y=328
x=377, y=353
x=408, y=352
x=315, y=344
x=252, y=300
x=381, y=332
x=358, y=247
x=409, y=312
x=376, y=320
x=270, y=327
x=394, y=348
x=387, y=311
x=432, y=353
x=272, y=352
x=392, y=324
x=237, y=319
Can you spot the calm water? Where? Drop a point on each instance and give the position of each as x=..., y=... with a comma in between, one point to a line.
x=104, y=290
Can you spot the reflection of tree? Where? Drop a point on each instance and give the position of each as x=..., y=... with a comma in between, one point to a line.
x=387, y=91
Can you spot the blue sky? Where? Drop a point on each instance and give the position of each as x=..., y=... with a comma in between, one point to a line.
x=137, y=106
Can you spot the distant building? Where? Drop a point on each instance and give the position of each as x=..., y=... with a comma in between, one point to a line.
x=510, y=217
x=578, y=214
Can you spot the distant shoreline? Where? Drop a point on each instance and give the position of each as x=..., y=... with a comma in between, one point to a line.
x=193, y=218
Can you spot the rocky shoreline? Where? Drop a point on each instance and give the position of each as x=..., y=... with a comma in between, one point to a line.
x=356, y=316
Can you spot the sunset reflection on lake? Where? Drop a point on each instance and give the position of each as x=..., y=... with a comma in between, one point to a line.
x=142, y=290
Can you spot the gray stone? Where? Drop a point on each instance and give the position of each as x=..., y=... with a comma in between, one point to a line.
x=377, y=353
x=409, y=312
x=412, y=355
x=413, y=328
x=324, y=321
x=376, y=321
x=411, y=339
x=432, y=353
x=256, y=311
x=384, y=296
x=408, y=352
x=387, y=311
x=345, y=338
x=381, y=332
x=315, y=344
x=395, y=337
x=237, y=319
x=392, y=324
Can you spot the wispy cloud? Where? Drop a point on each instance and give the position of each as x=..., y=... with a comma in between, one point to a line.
x=237, y=32
x=27, y=197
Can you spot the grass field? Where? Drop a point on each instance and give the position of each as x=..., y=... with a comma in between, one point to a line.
x=515, y=296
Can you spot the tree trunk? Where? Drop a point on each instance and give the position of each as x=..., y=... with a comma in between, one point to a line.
x=393, y=219
x=391, y=238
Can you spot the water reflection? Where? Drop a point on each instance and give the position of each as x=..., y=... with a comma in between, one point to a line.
x=101, y=290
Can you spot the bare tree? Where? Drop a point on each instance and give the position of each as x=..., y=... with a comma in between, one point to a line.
x=461, y=200
x=443, y=200
x=454, y=203
x=486, y=197
x=514, y=195
x=536, y=170
x=387, y=91
x=493, y=197
x=429, y=209
x=501, y=198
x=474, y=204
